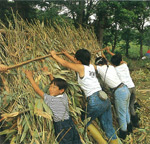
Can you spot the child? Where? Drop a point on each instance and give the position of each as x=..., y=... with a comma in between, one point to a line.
x=58, y=103
x=3, y=68
x=121, y=93
x=96, y=108
x=124, y=75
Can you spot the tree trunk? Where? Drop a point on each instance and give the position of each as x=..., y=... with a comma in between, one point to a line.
x=115, y=37
x=141, y=43
x=141, y=48
x=80, y=13
x=115, y=42
x=100, y=35
x=127, y=47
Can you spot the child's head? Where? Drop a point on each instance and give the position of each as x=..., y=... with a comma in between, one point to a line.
x=84, y=56
x=116, y=59
x=57, y=86
x=100, y=61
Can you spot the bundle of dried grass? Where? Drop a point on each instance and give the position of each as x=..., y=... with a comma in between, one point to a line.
x=25, y=117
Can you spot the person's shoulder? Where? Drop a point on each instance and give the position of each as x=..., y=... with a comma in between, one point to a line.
x=65, y=95
x=47, y=96
x=97, y=66
x=123, y=62
x=124, y=65
x=91, y=66
x=111, y=67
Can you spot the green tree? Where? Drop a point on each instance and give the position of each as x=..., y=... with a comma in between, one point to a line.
x=146, y=40
x=5, y=11
x=141, y=11
x=127, y=36
x=26, y=9
x=79, y=10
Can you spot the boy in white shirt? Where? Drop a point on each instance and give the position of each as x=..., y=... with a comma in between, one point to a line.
x=121, y=93
x=124, y=75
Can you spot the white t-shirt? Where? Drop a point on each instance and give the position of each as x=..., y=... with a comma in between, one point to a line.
x=111, y=77
x=89, y=83
x=124, y=75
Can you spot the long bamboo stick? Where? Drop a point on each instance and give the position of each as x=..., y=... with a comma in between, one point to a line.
x=28, y=61
x=39, y=58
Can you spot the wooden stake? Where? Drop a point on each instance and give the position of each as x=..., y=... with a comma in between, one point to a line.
x=28, y=61
x=39, y=58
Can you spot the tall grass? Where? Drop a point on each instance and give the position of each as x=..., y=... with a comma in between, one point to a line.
x=26, y=118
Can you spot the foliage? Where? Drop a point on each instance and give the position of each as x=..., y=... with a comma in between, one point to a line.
x=25, y=117
x=112, y=20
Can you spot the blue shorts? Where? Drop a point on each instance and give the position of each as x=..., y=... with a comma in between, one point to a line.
x=66, y=132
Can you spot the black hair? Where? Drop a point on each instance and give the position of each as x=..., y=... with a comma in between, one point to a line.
x=100, y=60
x=116, y=59
x=84, y=56
x=61, y=83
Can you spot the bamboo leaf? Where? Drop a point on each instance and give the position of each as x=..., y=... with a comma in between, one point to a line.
x=7, y=131
x=24, y=132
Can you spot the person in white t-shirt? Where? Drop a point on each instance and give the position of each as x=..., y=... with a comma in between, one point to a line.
x=109, y=76
x=96, y=107
x=124, y=75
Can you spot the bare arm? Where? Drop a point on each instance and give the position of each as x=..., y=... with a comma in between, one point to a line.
x=108, y=50
x=103, y=55
x=95, y=67
x=74, y=66
x=45, y=69
x=72, y=58
x=51, y=77
x=34, y=85
x=123, y=62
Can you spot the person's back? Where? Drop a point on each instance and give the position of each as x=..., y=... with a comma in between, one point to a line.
x=109, y=75
x=120, y=91
x=89, y=83
x=124, y=75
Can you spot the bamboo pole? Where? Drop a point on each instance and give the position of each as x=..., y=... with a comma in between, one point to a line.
x=28, y=61
x=39, y=58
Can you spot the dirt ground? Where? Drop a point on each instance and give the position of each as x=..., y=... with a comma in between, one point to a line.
x=141, y=135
